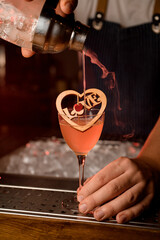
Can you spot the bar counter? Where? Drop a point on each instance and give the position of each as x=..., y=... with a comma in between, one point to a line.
x=31, y=208
x=37, y=185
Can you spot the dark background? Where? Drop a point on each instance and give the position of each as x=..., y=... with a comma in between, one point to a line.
x=28, y=90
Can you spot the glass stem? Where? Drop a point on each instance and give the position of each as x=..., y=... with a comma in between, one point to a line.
x=81, y=162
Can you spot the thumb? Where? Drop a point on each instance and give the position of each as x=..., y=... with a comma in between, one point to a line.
x=27, y=53
x=68, y=6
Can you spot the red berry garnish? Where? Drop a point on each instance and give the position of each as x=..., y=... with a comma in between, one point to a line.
x=78, y=107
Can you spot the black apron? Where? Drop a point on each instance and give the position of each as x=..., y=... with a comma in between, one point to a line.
x=133, y=53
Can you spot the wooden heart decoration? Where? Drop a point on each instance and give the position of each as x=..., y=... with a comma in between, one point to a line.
x=91, y=98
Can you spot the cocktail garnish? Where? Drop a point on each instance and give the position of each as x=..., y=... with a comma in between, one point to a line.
x=94, y=98
x=78, y=107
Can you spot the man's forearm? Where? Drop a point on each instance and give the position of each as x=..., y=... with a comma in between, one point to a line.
x=150, y=152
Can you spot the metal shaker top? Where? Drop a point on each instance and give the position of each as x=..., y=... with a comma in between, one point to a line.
x=54, y=33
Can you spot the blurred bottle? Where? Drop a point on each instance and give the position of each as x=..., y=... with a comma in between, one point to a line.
x=35, y=25
x=2, y=65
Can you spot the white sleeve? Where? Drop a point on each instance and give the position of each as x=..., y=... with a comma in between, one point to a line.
x=125, y=12
x=85, y=9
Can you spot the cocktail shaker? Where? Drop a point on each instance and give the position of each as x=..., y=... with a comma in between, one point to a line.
x=35, y=25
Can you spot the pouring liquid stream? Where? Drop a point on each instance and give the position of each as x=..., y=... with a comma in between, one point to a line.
x=81, y=158
x=94, y=60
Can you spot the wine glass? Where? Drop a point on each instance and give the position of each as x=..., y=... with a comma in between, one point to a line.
x=81, y=142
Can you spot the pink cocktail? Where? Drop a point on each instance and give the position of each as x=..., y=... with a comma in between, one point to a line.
x=81, y=142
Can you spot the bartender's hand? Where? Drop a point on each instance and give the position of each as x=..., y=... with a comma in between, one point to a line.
x=64, y=8
x=124, y=188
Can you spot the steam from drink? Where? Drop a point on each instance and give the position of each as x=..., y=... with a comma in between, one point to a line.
x=111, y=84
x=105, y=74
x=94, y=59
